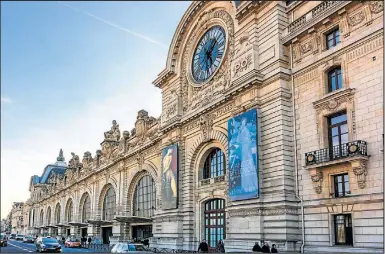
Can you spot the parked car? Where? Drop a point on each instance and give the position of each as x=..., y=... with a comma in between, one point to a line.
x=47, y=244
x=124, y=247
x=3, y=240
x=72, y=243
x=28, y=239
x=19, y=237
x=13, y=236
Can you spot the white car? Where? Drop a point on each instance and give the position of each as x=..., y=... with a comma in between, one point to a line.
x=123, y=247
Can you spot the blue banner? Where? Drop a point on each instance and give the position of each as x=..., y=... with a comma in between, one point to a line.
x=243, y=156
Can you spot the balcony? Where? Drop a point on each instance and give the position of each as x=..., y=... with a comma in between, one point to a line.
x=354, y=152
x=310, y=19
x=336, y=153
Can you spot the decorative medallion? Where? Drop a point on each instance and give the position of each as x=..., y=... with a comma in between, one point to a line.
x=376, y=6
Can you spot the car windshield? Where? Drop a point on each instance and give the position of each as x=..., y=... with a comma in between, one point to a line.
x=139, y=248
x=73, y=240
x=28, y=237
x=49, y=240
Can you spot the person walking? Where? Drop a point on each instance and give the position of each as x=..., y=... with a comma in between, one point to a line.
x=221, y=246
x=273, y=249
x=203, y=247
x=256, y=247
x=89, y=241
x=266, y=248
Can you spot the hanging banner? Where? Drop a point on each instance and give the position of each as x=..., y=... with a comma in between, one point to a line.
x=243, y=156
x=170, y=177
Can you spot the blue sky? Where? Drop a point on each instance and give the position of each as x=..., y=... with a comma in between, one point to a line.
x=66, y=75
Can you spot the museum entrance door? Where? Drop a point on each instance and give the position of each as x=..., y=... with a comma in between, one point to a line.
x=141, y=232
x=214, y=222
x=106, y=233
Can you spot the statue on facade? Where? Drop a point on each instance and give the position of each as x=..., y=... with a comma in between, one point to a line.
x=114, y=133
x=74, y=162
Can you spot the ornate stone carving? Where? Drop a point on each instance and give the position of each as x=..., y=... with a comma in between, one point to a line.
x=357, y=18
x=74, y=163
x=360, y=170
x=87, y=161
x=205, y=123
x=317, y=180
x=376, y=6
x=139, y=160
x=306, y=47
x=195, y=97
x=242, y=65
x=114, y=133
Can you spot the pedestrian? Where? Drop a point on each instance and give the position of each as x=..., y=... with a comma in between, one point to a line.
x=256, y=247
x=89, y=241
x=203, y=247
x=146, y=242
x=273, y=249
x=221, y=246
x=63, y=240
x=266, y=248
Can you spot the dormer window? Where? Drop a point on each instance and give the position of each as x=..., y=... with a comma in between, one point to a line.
x=335, y=79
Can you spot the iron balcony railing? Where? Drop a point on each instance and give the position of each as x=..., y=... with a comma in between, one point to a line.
x=337, y=152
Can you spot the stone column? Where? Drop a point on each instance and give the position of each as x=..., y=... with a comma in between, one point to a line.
x=93, y=230
x=60, y=231
x=74, y=231
x=117, y=232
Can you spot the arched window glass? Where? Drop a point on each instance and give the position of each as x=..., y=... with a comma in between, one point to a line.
x=30, y=219
x=215, y=164
x=214, y=221
x=57, y=213
x=70, y=211
x=109, y=205
x=86, y=212
x=144, y=201
x=48, y=216
x=41, y=217
x=335, y=79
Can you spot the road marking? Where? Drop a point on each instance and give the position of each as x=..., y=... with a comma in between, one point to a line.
x=19, y=247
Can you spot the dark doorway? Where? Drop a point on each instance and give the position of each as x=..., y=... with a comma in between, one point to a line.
x=84, y=232
x=141, y=232
x=106, y=233
x=343, y=229
x=68, y=232
x=214, y=222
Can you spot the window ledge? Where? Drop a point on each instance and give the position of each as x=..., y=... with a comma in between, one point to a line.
x=213, y=180
x=332, y=100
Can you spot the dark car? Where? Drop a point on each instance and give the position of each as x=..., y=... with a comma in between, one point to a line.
x=47, y=244
x=28, y=239
x=3, y=240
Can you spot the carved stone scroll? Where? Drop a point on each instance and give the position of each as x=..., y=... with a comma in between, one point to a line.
x=317, y=180
x=360, y=170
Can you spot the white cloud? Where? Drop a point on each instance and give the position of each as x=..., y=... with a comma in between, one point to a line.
x=83, y=131
x=5, y=100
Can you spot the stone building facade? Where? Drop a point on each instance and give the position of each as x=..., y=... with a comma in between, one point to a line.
x=310, y=73
x=14, y=223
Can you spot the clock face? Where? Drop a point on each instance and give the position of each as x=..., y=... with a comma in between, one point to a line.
x=208, y=54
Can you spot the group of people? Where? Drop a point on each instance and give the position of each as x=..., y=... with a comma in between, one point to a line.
x=265, y=248
x=204, y=247
x=85, y=240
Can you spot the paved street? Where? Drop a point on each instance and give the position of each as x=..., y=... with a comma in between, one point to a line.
x=19, y=247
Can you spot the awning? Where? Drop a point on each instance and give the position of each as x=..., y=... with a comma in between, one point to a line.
x=77, y=224
x=52, y=226
x=133, y=219
x=100, y=222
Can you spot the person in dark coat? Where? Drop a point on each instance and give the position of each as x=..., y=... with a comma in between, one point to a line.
x=203, y=247
x=273, y=249
x=89, y=241
x=257, y=248
x=221, y=246
x=266, y=248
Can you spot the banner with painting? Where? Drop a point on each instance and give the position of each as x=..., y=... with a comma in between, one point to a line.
x=243, y=156
x=170, y=177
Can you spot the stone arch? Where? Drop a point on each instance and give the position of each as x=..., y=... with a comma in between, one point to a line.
x=81, y=204
x=41, y=216
x=103, y=193
x=49, y=215
x=135, y=176
x=69, y=204
x=57, y=213
x=214, y=136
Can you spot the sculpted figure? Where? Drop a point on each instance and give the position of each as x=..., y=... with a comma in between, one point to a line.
x=114, y=133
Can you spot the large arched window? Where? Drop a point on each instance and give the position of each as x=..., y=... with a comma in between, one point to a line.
x=57, y=213
x=334, y=79
x=214, y=221
x=49, y=216
x=41, y=217
x=215, y=164
x=144, y=201
x=70, y=211
x=86, y=211
x=109, y=204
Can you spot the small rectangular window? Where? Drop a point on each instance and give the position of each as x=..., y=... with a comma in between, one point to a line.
x=338, y=135
x=334, y=79
x=332, y=38
x=289, y=2
x=341, y=185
